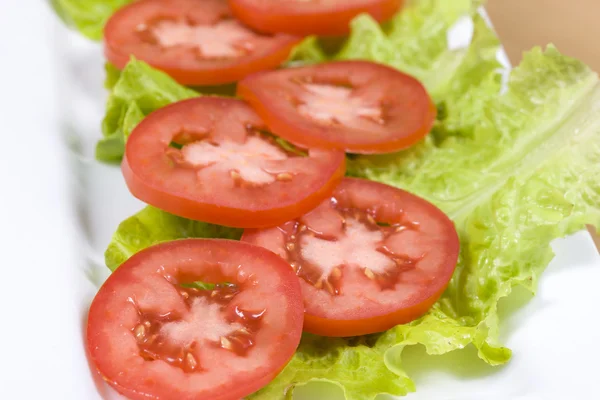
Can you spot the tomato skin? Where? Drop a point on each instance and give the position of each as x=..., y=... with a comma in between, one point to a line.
x=135, y=378
x=213, y=213
x=347, y=328
x=320, y=20
x=386, y=205
x=271, y=208
x=120, y=45
x=412, y=111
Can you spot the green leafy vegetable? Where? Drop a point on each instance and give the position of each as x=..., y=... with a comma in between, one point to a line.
x=309, y=51
x=514, y=172
x=416, y=42
x=199, y=285
x=151, y=226
x=529, y=175
x=136, y=92
x=88, y=16
x=113, y=74
x=526, y=176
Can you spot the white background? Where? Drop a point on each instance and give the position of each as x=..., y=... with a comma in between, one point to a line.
x=555, y=338
x=39, y=354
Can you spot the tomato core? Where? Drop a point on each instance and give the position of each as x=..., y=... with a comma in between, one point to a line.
x=225, y=39
x=174, y=340
x=319, y=255
x=336, y=105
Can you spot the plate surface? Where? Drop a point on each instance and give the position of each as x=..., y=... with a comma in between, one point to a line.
x=46, y=288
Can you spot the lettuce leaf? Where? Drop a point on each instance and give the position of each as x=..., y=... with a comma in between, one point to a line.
x=529, y=176
x=151, y=226
x=135, y=92
x=88, y=16
x=525, y=175
x=514, y=172
x=416, y=42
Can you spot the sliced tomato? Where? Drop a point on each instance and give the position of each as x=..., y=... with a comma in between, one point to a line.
x=310, y=17
x=356, y=106
x=224, y=169
x=369, y=258
x=196, y=42
x=152, y=338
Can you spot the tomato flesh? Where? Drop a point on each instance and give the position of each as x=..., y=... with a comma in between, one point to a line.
x=195, y=42
x=356, y=106
x=313, y=17
x=150, y=337
x=369, y=258
x=226, y=170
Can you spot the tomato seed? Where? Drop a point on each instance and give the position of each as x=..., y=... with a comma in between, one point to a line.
x=294, y=266
x=226, y=343
x=147, y=324
x=241, y=275
x=319, y=284
x=190, y=361
x=235, y=175
x=329, y=287
x=371, y=219
x=244, y=331
x=284, y=177
x=184, y=294
x=400, y=228
x=369, y=274
x=140, y=332
x=243, y=343
x=336, y=273
x=290, y=246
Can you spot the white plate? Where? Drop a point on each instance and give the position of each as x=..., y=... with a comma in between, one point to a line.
x=45, y=290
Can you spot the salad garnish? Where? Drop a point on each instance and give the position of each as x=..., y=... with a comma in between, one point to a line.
x=511, y=160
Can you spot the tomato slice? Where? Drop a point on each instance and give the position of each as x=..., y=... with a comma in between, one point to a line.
x=369, y=258
x=196, y=42
x=150, y=337
x=356, y=106
x=310, y=17
x=224, y=170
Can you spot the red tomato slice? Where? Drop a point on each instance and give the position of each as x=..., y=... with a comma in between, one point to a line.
x=196, y=42
x=356, y=106
x=369, y=258
x=228, y=172
x=150, y=337
x=312, y=17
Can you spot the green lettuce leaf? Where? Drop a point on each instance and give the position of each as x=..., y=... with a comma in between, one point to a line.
x=88, y=16
x=151, y=226
x=135, y=92
x=527, y=174
x=514, y=172
x=416, y=42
